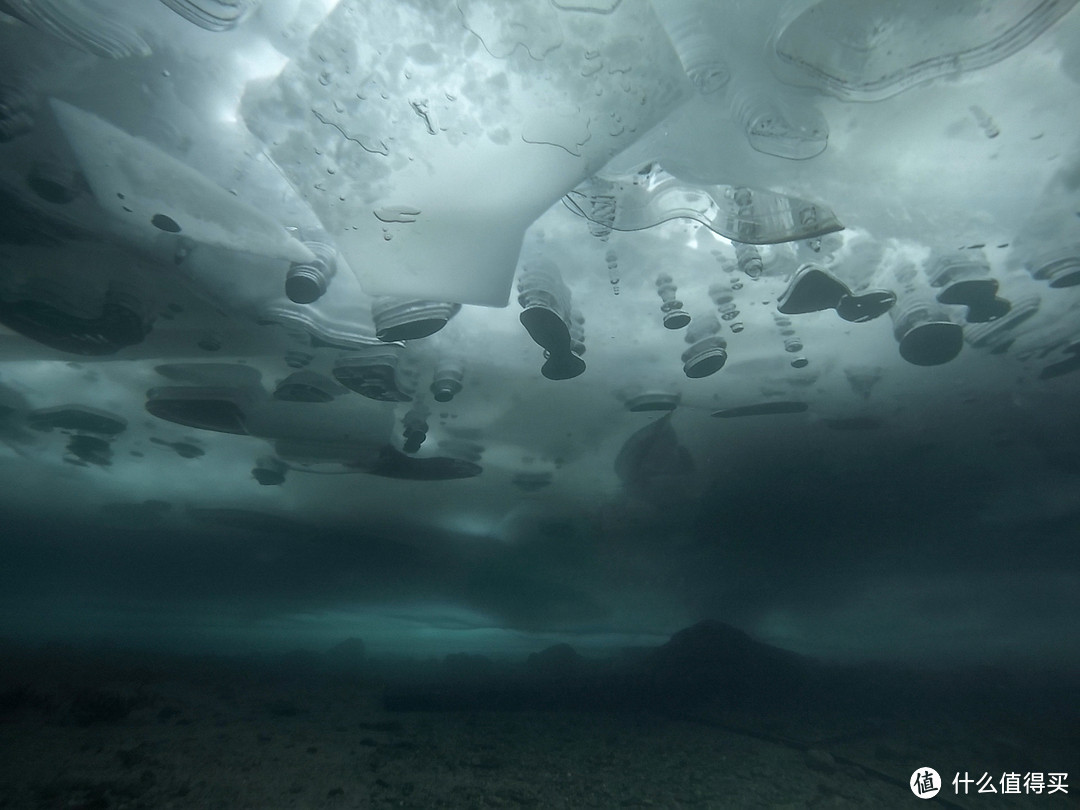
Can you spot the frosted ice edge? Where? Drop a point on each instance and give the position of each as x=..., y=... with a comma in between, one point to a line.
x=651, y=196
x=844, y=49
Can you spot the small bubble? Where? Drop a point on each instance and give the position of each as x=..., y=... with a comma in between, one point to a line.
x=324, y=78
x=330, y=170
x=165, y=223
x=387, y=235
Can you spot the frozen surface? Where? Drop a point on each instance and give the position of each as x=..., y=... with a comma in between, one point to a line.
x=212, y=210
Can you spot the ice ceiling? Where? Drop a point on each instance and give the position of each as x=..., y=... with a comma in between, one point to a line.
x=584, y=317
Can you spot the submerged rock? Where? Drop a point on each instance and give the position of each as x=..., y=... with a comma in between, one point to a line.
x=712, y=660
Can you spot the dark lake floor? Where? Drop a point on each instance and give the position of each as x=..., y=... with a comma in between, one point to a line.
x=98, y=730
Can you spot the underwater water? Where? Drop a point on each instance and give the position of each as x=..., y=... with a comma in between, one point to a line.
x=548, y=403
